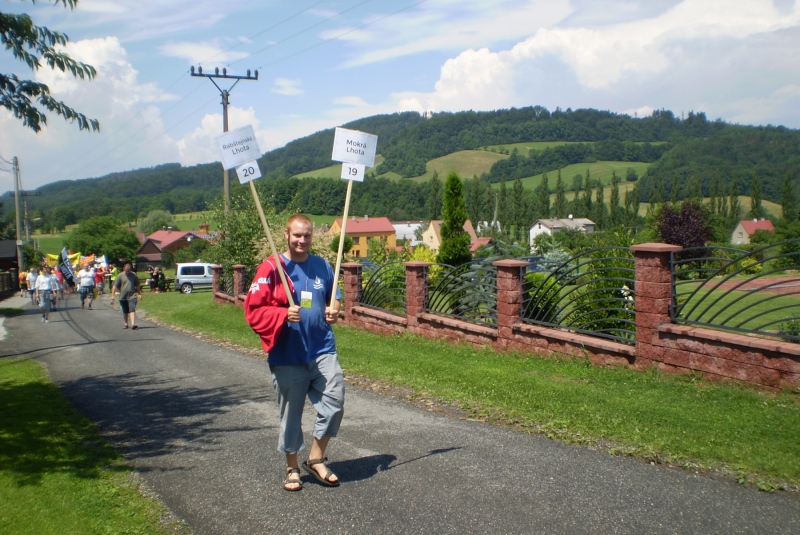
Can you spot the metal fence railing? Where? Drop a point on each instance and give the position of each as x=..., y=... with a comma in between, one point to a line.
x=226, y=282
x=467, y=292
x=750, y=291
x=591, y=293
x=384, y=287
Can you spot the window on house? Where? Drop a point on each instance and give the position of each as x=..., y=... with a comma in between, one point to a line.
x=355, y=240
x=741, y=234
x=358, y=253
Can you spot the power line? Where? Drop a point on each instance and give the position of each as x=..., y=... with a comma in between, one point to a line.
x=265, y=30
x=304, y=31
x=343, y=34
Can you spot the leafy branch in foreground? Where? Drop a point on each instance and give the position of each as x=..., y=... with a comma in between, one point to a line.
x=33, y=44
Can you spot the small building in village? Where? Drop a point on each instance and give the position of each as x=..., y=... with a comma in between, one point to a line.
x=552, y=226
x=152, y=250
x=745, y=229
x=362, y=229
x=432, y=236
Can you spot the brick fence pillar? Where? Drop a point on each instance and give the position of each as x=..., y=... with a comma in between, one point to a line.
x=239, y=280
x=653, y=297
x=509, y=297
x=416, y=291
x=352, y=286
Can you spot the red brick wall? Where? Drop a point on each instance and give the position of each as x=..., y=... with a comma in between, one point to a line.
x=672, y=348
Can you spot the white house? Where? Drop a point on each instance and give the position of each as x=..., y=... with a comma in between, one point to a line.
x=745, y=229
x=551, y=226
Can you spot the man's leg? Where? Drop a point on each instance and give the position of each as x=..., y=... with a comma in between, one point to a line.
x=291, y=385
x=327, y=396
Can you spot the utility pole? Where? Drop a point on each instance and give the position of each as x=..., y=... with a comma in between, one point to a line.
x=226, y=187
x=20, y=256
x=17, y=194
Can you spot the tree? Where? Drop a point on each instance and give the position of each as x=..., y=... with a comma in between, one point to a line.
x=756, y=210
x=560, y=206
x=454, y=250
x=615, y=215
x=31, y=45
x=435, y=198
x=788, y=201
x=543, y=204
x=348, y=244
x=689, y=227
x=104, y=235
x=631, y=175
x=599, y=211
x=518, y=207
x=155, y=220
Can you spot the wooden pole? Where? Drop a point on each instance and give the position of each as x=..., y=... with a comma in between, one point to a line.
x=271, y=243
x=341, y=242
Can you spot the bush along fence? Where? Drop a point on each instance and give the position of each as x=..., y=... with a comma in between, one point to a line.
x=723, y=312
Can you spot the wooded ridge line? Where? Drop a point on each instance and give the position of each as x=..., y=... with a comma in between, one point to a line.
x=679, y=150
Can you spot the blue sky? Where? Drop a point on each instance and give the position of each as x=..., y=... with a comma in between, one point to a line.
x=323, y=63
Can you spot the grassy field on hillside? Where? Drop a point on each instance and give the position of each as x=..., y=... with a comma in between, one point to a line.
x=527, y=146
x=466, y=163
x=597, y=170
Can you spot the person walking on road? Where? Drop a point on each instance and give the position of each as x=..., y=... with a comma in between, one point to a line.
x=302, y=348
x=44, y=292
x=32, y=276
x=130, y=291
x=86, y=285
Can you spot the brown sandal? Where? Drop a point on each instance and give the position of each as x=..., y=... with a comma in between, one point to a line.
x=308, y=466
x=292, y=481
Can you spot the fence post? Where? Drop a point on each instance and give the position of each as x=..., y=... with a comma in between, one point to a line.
x=653, y=297
x=509, y=297
x=416, y=291
x=238, y=281
x=352, y=285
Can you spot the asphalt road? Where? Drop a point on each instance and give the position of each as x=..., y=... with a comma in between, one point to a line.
x=199, y=423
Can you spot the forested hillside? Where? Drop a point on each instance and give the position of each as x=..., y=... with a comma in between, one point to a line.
x=683, y=152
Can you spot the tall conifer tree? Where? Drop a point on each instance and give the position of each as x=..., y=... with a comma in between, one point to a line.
x=544, y=198
x=560, y=207
x=788, y=200
x=615, y=217
x=454, y=249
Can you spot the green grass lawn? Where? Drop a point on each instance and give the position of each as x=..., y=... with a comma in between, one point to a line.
x=737, y=309
x=747, y=432
x=57, y=475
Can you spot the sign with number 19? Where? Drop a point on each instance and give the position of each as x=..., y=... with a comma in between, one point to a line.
x=353, y=171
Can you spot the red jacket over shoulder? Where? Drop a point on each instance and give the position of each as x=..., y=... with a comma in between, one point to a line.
x=266, y=305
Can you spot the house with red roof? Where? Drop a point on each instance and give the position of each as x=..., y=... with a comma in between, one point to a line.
x=361, y=229
x=152, y=249
x=745, y=229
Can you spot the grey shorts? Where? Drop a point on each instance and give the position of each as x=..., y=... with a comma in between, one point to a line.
x=323, y=382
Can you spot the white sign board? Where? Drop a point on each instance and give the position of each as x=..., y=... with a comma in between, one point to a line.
x=238, y=146
x=248, y=171
x=353, y=171
x=352, y=146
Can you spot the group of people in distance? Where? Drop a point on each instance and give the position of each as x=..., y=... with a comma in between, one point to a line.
x=156, y=279
x=45, y=285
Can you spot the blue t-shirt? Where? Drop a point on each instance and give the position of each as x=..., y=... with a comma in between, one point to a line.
x=301, y=343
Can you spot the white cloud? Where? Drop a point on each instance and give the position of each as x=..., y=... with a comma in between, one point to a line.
x=209, y=51
x=284, y=86
x=115, y=97
x=676, y=48
x=446, y=25
x=200, y=146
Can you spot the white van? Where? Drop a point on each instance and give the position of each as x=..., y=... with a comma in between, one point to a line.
x=192, y=276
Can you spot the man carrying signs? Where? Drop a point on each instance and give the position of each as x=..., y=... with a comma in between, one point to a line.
x=302, y=349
